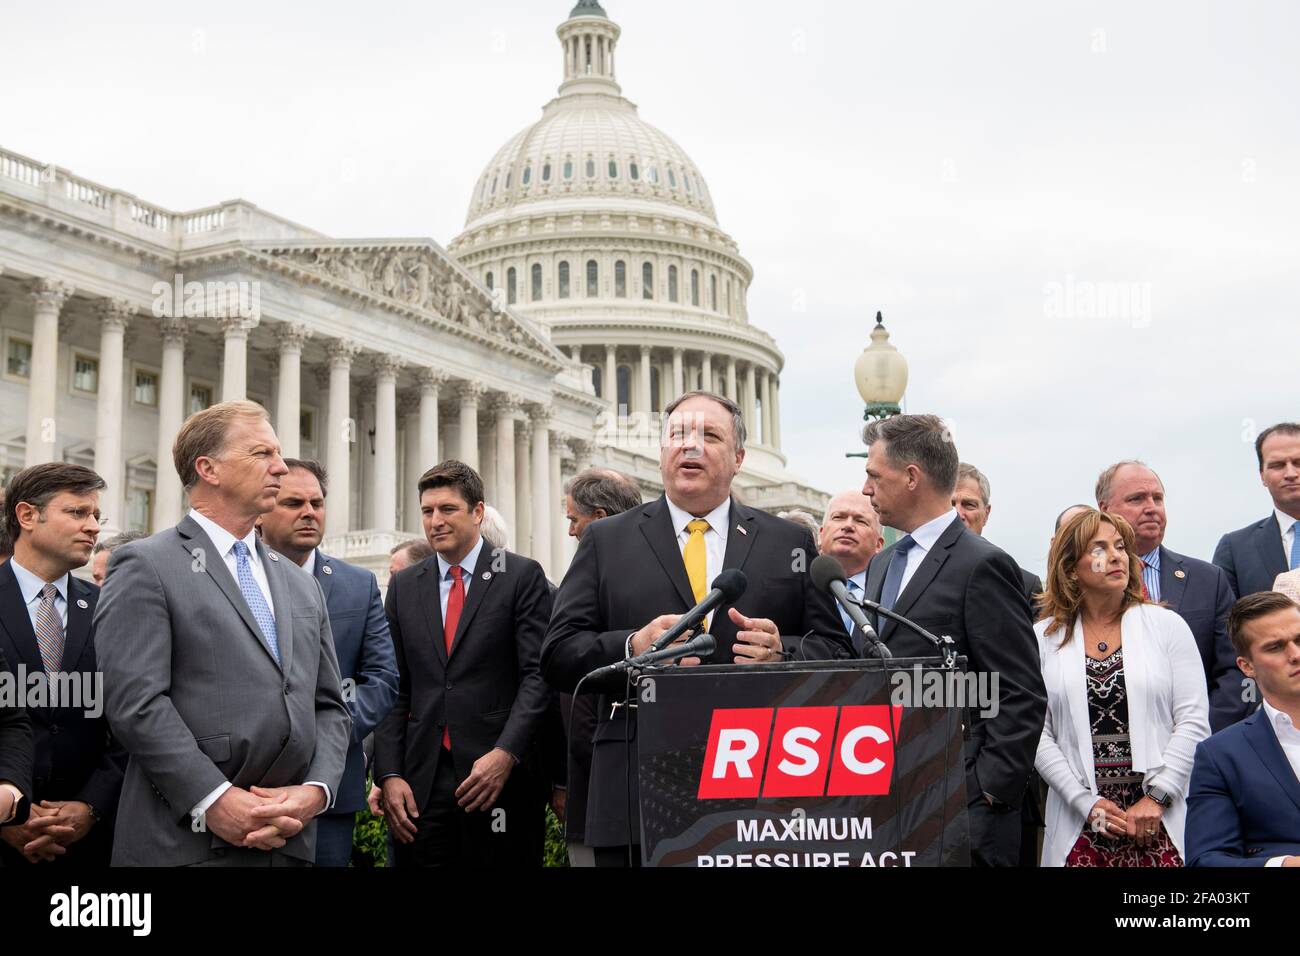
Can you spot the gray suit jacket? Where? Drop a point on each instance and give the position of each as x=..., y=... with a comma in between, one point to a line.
x=196, y=698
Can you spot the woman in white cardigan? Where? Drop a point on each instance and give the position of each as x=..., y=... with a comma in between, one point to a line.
x=1126, y=705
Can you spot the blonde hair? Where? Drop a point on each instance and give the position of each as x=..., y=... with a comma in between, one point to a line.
x=1063, y=594
x=204, y=435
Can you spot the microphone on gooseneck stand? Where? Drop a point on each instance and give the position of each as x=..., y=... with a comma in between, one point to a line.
x=727, y=588
x=828, y=576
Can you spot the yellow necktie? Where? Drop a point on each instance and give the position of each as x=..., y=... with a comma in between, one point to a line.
x=697, y=558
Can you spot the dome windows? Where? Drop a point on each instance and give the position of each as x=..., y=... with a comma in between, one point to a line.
x=490, y=281
x=591, y=167
x=564, y=280
x=654, y=174
x=528, y=175
x=613, y=168
x=512, y=286
x=509, y=173
x=713, y=293
x=695, y=287
x=537, y=281
x=672, y=283
x=495, y=179
x=686, y=178
x=593, y=279
x=647, y=280
x=620, y=279
x=633, y=171
x=672, y=178
x=568, y=167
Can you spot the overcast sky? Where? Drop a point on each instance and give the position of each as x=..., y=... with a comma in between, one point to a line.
x=1079, y=219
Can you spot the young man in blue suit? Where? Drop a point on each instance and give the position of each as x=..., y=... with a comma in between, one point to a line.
x=367, y=663
x=1255, y=555
x=1243, y=804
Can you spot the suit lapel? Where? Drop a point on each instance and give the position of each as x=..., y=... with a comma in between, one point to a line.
x=740, y=538
x=925, y=572
x=657, y=526
x=1265, y=743
x=205, y=559
x=428, y=587
x=1172, y=585
x=1268, y=542
x=326, y=580
x=17, y=623
x=483, y=578
x=78, y=629
x=278, y=581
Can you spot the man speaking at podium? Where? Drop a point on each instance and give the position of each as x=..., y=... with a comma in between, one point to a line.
x=636, y=573
x=954, y=583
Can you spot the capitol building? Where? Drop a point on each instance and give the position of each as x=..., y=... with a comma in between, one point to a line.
x=592, y=284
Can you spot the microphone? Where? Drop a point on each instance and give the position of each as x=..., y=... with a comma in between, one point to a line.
x=727, y=588
x=828, y=576
x=946, y=645
x=700, y=646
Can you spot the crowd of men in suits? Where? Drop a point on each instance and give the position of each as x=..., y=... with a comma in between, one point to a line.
x=255, y=693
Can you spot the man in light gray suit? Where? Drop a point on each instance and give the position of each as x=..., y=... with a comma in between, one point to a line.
x=220, y=676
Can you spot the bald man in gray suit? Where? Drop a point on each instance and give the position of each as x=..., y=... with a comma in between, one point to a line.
x=220, y=675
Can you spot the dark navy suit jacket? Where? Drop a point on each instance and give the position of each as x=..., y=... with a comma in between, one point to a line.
x=1243, y=803
x=366, y=657
x=1252, y=556
x=1202, y=596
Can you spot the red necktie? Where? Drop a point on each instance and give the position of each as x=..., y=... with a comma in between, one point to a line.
x=455, y=604
x=1145, y=595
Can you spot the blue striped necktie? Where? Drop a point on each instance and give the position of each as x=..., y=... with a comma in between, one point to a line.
x=894, y=576
x=255, y=599
x=49, y=630
x=1295, y=546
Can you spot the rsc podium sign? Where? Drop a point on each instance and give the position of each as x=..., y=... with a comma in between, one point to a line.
x=799, y=765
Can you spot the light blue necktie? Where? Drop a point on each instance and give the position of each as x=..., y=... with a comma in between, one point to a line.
x=255, y=599
x=844, y=615
x=1295, y=546
x=894, y=576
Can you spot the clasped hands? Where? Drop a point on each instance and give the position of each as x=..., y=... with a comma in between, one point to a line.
x=264, y=818
x=758, y=640
x=1139, y=823
x=51, y=827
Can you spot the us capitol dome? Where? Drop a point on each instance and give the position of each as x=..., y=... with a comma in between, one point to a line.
x=600, y=228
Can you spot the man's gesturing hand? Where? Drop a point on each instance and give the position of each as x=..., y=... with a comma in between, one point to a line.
x=758, y=639
x=485, y=781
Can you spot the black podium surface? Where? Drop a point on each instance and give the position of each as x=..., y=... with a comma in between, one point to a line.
x=801, y=764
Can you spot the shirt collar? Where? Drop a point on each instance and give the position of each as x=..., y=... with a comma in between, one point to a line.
x=222, y=539
x=310, y=564
x=1284, y=520
x=860, y=579
x=1281, y=722
x=717, y=518
x=1152, y=558
x=468, y=563
x=929, y=533
x=32, y=586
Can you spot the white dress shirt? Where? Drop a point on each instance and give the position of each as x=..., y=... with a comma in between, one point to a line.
x=32, y=587
x=715, y=540
x=224, y=542
x=310, y=564
x=925, y=538
x=1286, y=524
x=1288, y=735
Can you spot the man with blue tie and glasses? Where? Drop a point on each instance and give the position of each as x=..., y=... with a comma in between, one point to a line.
x=220, y=670
x=850, y=533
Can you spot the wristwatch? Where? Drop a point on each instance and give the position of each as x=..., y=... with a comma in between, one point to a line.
x=1160, y=796
x=95, y=814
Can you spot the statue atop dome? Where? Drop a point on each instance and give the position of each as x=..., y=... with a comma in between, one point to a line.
x=588, y=8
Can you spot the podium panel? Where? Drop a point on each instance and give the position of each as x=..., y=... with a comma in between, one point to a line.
x=800, y=765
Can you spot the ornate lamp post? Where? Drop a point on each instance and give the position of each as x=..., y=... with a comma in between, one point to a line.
x=881, y=377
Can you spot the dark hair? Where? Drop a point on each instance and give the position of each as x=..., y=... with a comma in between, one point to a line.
x=1062, y=596
x=1282, y=428
x=454, y=474
x=921, y=440
x=737, y=417
x=1248, y=609
x=6, y=543
x=115, y=542
x=420, y=550
x=1070, y=508
x=601, y=488
x=38, y=485
x=315, y=468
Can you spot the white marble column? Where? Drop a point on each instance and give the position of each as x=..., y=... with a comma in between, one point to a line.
x=679, y=377
x=114, y=316
x=559, y=543
x=543, y=497
x=706, y=373
x=487, y=443
x=342, y=433
x=234, y=363
x=43, y=386
x=469, y=394
x=749, y=403
x=507, y=409
x=288, y=400
x=425, y=449
x=643, y=383
x=731, y=381
x=765, y=384
x=408, y=496
x=611, y=385
x=387, y=368
x=776, y=412
x=523, y=489
x=168, y=494
x=364, y=466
